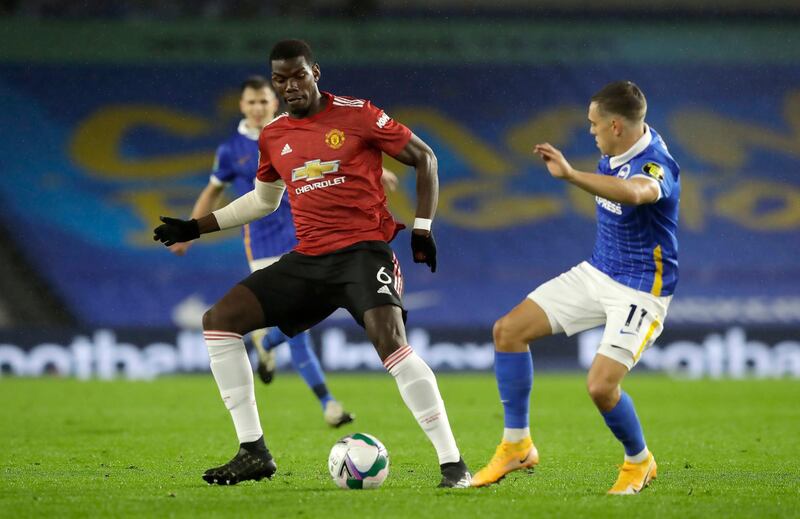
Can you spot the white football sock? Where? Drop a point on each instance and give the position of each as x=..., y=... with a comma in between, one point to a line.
x=418, y=388
x=638, y=458
x=515, y=435
x=231, y=368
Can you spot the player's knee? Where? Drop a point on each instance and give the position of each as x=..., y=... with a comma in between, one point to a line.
x=219, y=317
x=387, y=338
x=601, y=392
x=384, y=327
x=507, y=336
x=386, y=345
x=208, y=319
x=596, y=390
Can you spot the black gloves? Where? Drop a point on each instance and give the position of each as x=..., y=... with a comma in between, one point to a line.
x=174, y=230
x=424, y=249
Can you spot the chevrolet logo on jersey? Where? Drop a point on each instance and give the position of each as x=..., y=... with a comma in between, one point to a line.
x=654, y=170
x=314, y=170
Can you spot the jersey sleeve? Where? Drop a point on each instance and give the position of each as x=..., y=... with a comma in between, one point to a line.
x=266, y=172
x=655, y=171
x=383, y=132
x=222, y=172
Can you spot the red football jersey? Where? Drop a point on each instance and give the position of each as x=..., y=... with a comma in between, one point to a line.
x=331, y=164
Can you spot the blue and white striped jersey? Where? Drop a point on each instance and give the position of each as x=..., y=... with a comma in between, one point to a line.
x=638, y=245
x=236, y=163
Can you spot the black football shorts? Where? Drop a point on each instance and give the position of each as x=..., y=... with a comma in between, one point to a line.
x=298, y=291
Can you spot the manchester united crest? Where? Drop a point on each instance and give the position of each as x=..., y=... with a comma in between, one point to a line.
x=334, y=139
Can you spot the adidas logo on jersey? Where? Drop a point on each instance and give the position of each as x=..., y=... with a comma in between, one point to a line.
x=385, y=290
x=286, y=149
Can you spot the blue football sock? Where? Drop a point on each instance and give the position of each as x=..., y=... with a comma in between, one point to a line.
x=274, y=337
x=305, y=362
x=514, y=373
x=624, y=423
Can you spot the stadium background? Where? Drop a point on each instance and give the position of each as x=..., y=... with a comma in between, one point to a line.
x=111, y=114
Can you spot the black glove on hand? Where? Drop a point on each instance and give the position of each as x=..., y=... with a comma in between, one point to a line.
x=424, y=248
x=174, y=230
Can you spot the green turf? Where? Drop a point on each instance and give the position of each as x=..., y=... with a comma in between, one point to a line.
x=71, y=448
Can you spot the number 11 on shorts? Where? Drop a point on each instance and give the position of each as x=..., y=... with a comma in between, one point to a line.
x=631, y=318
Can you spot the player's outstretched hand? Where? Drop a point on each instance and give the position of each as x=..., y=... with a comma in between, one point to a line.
x=424, y=248
x=174, y=231
x=556, y=164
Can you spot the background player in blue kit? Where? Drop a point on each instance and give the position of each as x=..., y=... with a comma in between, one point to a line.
x=626, y=285
x=265, y=240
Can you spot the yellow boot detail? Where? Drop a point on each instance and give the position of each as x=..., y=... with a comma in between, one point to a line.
x=508, y=457
x=633, y=477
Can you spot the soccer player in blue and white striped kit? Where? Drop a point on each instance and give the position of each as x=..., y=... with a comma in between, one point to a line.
x=265, y=240
x=627, y=285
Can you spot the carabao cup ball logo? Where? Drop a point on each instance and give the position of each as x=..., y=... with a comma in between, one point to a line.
x=334, y=138
x=358, y=461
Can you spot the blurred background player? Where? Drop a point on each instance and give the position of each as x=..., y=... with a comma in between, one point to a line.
x=327, y=150
x=266, y=239
x=626, y=285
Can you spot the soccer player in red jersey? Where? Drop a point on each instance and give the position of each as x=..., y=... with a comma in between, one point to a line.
x=327, y=152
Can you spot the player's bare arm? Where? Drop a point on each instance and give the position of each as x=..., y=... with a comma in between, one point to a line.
x=205, y=203
x=419, y=155
x=263, y=200
x=634, y=191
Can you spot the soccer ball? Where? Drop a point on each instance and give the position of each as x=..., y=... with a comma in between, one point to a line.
x=358, y=461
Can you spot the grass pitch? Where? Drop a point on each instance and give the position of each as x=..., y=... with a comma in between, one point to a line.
x=70, y=448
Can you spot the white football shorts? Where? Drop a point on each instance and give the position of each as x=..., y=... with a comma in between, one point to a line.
x=584, y=298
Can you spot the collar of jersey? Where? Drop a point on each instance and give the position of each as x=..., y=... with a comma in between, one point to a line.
x=306, y=120
x=250, y=133
x=638, y=147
